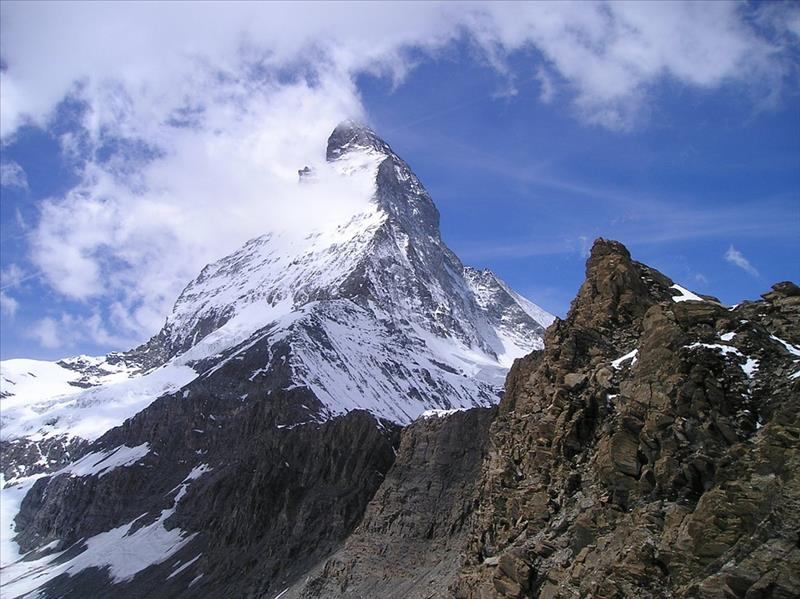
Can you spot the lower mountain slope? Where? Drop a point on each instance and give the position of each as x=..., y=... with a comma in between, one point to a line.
x=197, y=494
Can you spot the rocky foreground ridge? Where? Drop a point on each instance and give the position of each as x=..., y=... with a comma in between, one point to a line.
x=649, y=450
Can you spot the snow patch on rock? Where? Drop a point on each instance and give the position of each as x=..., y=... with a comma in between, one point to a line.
x=685, y=295
x=100, y=463
x=631, y=355
x=437, y=413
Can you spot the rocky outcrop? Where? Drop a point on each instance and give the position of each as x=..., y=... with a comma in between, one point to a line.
x=26, y=457
x=411, y=540
x=650, y=450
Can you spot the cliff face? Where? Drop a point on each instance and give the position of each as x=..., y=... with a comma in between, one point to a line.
x=414, y=531
x=650, y=450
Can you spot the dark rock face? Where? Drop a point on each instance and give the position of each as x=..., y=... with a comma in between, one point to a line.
x=410, y=541
x=350, y=134
x=275, y=498
x=24, y=457
x=673, y=472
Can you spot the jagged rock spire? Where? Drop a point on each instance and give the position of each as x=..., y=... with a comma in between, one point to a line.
x=617, y=289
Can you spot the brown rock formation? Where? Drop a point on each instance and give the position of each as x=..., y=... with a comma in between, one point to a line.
x=672, y=473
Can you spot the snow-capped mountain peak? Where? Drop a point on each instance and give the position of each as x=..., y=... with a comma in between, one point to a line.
x=350, y=136
x=370, y=311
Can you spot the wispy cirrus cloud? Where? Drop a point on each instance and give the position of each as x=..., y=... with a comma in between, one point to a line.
x=67, y=330
x=588, y=211
x=8, y=305
x=13, y=175
x=735, y=257
x=10, y=278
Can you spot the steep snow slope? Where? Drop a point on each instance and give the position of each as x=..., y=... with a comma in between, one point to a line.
x=377, y=313
x=388, y=258
x=51, y=405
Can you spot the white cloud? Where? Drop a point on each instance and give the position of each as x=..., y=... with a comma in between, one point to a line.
x=45, y=331
x=8, y=305
x=68, y=330
x=736, y=258
x=547, y=88
x=12, y=175
x=612, y=54
x=12, y=276
x=212, y=108
x=138, y=240
x=608, y=53
x=157, y=51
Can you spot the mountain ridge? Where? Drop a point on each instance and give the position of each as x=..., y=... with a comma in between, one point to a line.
x=602, y=471
x=317, y=419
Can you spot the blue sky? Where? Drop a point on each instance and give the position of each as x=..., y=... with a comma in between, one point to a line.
x=523, y=188
x=133, y=157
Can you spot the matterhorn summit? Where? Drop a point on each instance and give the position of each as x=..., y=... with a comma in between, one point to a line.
x=371, y=312
x=293, y=361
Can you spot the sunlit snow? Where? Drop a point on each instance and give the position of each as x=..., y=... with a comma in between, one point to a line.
x=631, y=355
x=102, y=462
x=685, y=295
x=88, y=413
x=750, y=366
